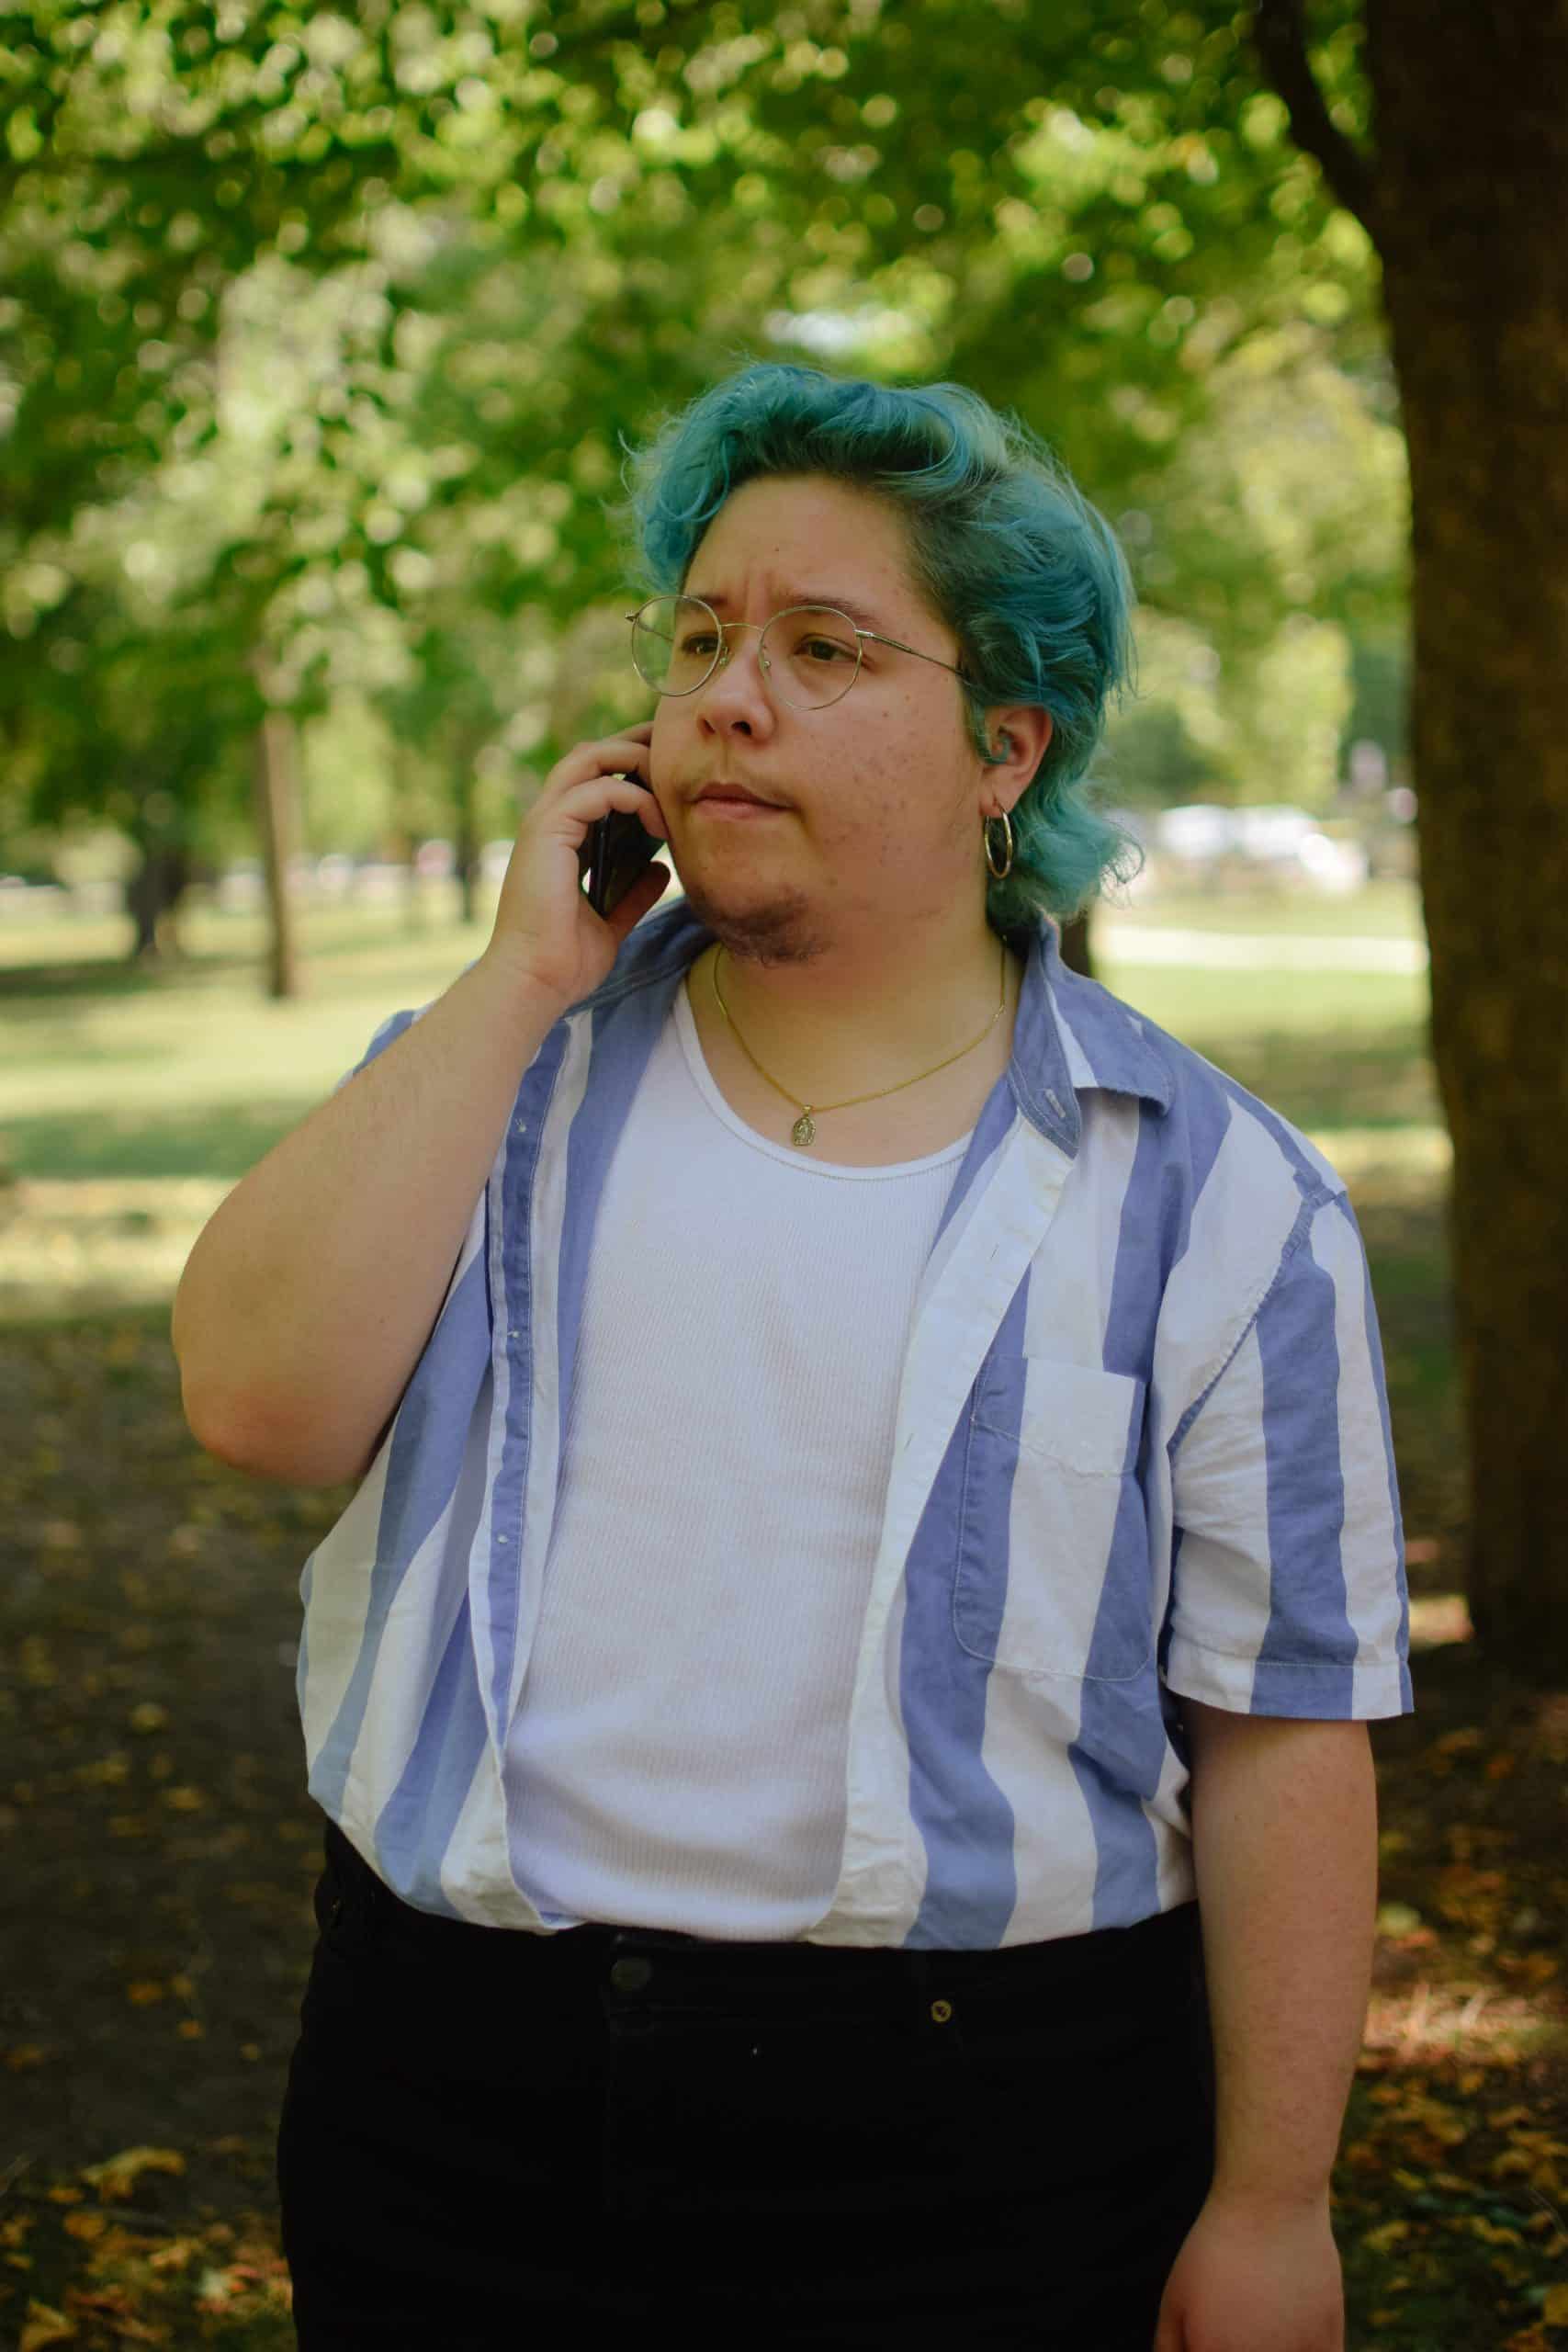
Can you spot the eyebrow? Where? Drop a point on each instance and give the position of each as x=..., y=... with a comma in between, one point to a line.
x=860, y=613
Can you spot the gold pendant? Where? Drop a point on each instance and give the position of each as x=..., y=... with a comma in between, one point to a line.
x=804, y=1130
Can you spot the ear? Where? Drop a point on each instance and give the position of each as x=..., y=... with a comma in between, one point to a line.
x=1021, y=733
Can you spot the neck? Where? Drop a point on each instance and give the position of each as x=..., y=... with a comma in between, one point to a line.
x=855, y=1018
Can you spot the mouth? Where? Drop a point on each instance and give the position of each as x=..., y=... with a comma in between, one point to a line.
x=733, y=802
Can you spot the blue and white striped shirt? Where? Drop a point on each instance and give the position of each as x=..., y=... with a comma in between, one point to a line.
x=1143, y=1452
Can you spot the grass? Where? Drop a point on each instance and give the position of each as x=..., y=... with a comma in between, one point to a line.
x=1383, y=909
x=115, y=1071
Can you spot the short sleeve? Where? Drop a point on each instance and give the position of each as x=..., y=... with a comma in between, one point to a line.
x=393, y=1027
x=1288, y=1589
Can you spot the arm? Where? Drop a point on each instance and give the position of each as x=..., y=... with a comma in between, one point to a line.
x=1284, y=1833
x=312, y=1289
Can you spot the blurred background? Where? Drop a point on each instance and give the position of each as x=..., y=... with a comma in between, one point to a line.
x=323, y=334
x=324, y=348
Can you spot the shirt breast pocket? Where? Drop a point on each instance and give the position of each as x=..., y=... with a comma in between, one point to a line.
x=1052, y=1572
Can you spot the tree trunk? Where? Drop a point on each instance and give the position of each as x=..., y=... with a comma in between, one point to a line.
x=277, y=825
x=406, y=831
x=467, y=844
x=1074, y=947
x=152, y=896
x=1474, y=128
x=1464, y=199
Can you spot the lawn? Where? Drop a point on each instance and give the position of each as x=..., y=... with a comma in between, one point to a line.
x=151, y=1800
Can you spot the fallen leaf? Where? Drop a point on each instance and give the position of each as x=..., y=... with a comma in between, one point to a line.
x=1493, y=2233
x=117, y=2175
x=1555, y=2311
x=174, y=2254
x=43, y=2325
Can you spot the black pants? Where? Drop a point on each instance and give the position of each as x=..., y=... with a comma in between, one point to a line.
x=764, y=2144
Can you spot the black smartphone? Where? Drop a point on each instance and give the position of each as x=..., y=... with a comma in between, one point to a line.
x=616, y=850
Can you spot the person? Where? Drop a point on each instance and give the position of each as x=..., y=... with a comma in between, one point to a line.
x=840, y=1696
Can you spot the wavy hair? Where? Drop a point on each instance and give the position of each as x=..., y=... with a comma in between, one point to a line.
x=1028, y=576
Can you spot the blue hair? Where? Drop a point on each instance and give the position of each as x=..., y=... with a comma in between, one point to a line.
x=1005, y=548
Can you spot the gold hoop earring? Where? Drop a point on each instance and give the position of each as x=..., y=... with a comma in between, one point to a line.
x=998, y=873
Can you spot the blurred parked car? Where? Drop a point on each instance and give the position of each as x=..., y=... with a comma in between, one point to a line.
x=241, y=887
x=1206, y=843
x=334, y=875
x=22, y=898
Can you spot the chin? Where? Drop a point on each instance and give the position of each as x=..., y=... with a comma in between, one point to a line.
x=763, y=927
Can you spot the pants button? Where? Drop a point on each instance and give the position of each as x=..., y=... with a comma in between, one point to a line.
x=942, y=2011
x=630, y=1975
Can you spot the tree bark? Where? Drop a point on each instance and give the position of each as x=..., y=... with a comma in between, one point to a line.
x=277, y=825
x=1467, y=202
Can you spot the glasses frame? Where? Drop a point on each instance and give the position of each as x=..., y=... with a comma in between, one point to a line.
x=722, y=656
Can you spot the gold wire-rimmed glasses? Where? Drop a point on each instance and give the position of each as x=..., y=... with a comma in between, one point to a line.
x=810, y=654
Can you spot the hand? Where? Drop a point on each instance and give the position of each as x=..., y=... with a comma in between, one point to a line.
x=1254, y=2277
x=545, y=932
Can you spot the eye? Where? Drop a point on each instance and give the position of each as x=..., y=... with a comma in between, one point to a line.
x=699, y=641
x=825, y=648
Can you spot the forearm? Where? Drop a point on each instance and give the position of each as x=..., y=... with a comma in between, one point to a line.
x=312, y=1292
x=1284, y=1829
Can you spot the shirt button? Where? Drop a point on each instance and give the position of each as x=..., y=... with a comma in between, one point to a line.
x=630, y=1975
x=1052, y=1101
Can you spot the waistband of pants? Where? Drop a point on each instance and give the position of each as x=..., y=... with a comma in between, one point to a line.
x=1164, y=1942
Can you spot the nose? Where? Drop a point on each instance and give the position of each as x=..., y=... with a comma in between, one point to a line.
x=735, y=695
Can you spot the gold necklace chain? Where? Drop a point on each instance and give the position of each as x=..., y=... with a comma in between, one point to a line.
x=804, y=1130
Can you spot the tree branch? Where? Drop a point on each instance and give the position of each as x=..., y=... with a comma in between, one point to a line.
x=1279, y=36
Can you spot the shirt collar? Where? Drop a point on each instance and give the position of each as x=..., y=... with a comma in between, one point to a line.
x=1071, y=1036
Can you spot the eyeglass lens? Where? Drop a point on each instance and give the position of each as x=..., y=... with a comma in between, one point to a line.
x=811, y=655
